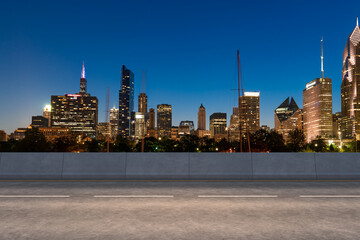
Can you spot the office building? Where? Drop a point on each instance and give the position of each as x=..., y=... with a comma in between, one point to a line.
x=78, y=112
x=114, y=122
x=202, y=118
x=188, y=123
x=142, y=103
x=317, y=106
x=3, y=136
x=47, y=114
x=151, y=130
x=52, y=133
x=250, y=112
x=350, y=94
x=164, y=120
x=174, y=133
x=317, y=102
x=18, y=134
x=218, y=124
x=39, y=121
x=103, y=131
x=287, y=118
x=126, y=101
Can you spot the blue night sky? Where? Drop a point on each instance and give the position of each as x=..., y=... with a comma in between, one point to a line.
x=187, y=48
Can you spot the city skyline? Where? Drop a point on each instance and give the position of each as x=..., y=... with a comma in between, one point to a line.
x=182, y=88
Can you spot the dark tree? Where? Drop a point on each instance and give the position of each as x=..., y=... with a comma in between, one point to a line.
x=9, y=146
x=275, y=142
x=296, y=141
x=122, y=144
x=318, y=145
x=34, y=141
x=65, y=144
x=259, y=141
x=223, y=145
x=189, y=143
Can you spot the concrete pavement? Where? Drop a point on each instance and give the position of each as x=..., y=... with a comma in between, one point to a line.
x=179, y=210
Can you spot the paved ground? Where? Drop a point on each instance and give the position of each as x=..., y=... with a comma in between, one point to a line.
x=179, y=210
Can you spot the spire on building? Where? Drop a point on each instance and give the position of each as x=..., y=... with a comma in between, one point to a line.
x=357, y=21
x=83, y=70
x=322, y=58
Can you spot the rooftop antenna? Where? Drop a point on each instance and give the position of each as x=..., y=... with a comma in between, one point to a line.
x=322, y=58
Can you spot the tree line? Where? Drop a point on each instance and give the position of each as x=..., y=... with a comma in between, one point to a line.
x=260, y=141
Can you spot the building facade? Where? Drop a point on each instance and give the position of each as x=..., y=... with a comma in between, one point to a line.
x=202, y=118
x=39, y=121
x=3, y=136
x=317, y=109
x=126, y=101
x=218, y=123
x=78, y=112
x=114, y=122
x=350, y=86
x=142, y=103
x=47, y=114
x=250, y=112
x=287, y=118
x=164, y=120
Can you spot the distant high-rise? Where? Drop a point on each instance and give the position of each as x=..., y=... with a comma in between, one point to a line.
x=250, y=112
x=114, y=122
x=350, y=86
x=3, y=136
x=151, y=131
x=202, y=118
x=83, y=82
x=47, y=113
x=287, y=117
x=218, y=123
x=188, y=123
x=78, y=112
x=126, y=101
x=39, y=121
x=164, y=120
x=142, y=103
x=317, y=107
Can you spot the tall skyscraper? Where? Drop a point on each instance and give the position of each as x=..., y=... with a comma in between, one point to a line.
x=164, y=120
x=218, y=124
x=47, y=114
x=83, y=82
x=317, y=106
x=151, y=131
x=142, y=103
x=78, y=112
x=287, y=117
x=126, y=101
x=202, y=118
x=114, y=122
x=250, y=112
x=350, y=86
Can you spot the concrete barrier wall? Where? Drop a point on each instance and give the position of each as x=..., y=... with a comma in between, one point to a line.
x=283, y=165
x=94, y=166
x=180, y=166
x=338, y=165
x=31, y=165
x=220, y=166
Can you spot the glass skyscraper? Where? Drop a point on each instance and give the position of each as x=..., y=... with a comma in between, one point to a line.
x=126, y=101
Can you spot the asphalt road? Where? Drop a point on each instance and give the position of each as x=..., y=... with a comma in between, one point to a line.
x=179, y=210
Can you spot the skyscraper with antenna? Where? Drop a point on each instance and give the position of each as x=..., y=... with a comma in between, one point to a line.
x=317, y=105
x=350, y=96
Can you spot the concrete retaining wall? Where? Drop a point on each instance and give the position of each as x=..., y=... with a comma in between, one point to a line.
x=180, y=166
